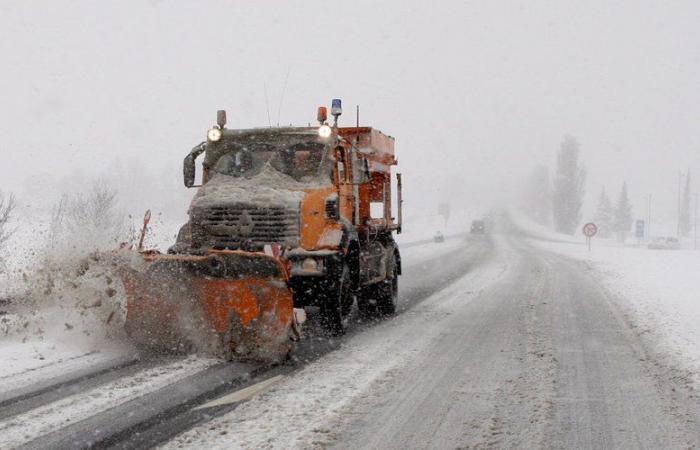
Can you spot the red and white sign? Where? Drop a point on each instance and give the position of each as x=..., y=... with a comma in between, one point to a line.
x=590, y=229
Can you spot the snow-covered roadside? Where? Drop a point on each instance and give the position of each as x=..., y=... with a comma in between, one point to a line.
x=536, y=230
x=76, y=322
x=299, y=411
x=659, y=290
x=67, y=321
x=25, y=427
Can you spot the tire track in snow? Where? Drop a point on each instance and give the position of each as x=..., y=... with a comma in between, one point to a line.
x=22, y=428
x=16, y=402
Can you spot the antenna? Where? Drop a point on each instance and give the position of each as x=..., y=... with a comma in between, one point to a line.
x=284, y=89
x=267, y=106
x=357, y=115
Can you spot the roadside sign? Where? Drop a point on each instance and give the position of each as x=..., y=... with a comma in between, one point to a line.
x=639, y=229
x=590, y=229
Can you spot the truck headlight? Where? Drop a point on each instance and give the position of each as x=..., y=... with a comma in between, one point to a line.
x=214, y=134
x=309, y=264
x=324, y=131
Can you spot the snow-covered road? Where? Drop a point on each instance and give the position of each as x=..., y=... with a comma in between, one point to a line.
x=51, y=398
x=499, y=343
x=525, y=351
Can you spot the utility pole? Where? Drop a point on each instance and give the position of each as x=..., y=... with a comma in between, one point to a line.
x=649, y=219
x=695, y=224
x=678, y=227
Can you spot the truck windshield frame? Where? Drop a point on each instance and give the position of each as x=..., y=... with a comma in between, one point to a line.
x=302, y=157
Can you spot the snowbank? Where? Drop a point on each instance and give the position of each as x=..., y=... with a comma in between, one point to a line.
x=525, y=225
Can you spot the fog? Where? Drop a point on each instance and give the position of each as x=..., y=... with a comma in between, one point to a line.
x=522, y=303
x=476, y=93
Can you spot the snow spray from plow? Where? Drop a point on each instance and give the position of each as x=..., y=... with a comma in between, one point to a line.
x=226, y=302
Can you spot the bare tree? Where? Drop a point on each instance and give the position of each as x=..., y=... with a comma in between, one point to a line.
x=93, y=212
x=89, y=219
x=7, y=206
x=58, y=215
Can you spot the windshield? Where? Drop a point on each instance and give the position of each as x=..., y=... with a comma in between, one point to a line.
x=303, y=161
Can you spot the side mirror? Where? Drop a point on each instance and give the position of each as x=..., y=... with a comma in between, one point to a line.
x=188, y=170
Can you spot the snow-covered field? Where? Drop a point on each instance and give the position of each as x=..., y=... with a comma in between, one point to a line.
x=660, y=289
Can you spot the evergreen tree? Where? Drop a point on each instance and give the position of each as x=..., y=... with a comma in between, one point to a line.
x=684, y=219
x=623, y=214
x=604, y=215
x=569, y=181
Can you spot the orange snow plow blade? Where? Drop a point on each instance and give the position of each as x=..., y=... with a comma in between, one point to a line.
x=226, y=302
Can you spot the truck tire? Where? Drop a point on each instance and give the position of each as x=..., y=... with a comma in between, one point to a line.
x=338, y=303
x=388, y=294
x=380, y=299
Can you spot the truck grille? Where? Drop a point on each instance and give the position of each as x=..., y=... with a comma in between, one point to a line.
x=231, y=225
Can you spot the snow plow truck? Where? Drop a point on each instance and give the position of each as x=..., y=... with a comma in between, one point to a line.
x=284, y=218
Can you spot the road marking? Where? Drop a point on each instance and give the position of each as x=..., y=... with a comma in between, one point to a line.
x=241, y=395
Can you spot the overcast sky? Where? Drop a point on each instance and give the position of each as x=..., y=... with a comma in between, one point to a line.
x=476, y=93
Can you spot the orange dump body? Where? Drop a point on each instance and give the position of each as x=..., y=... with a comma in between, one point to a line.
x=226, y=302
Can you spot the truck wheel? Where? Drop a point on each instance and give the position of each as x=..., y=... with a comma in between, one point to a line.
x=380, y=299
x=388, y=294
x=337, y=304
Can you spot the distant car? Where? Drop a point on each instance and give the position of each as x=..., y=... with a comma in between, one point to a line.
x=478, y=227
x=664, y=243
x=439, y=237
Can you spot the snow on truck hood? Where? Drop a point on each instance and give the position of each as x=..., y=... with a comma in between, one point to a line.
x=267, y=188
